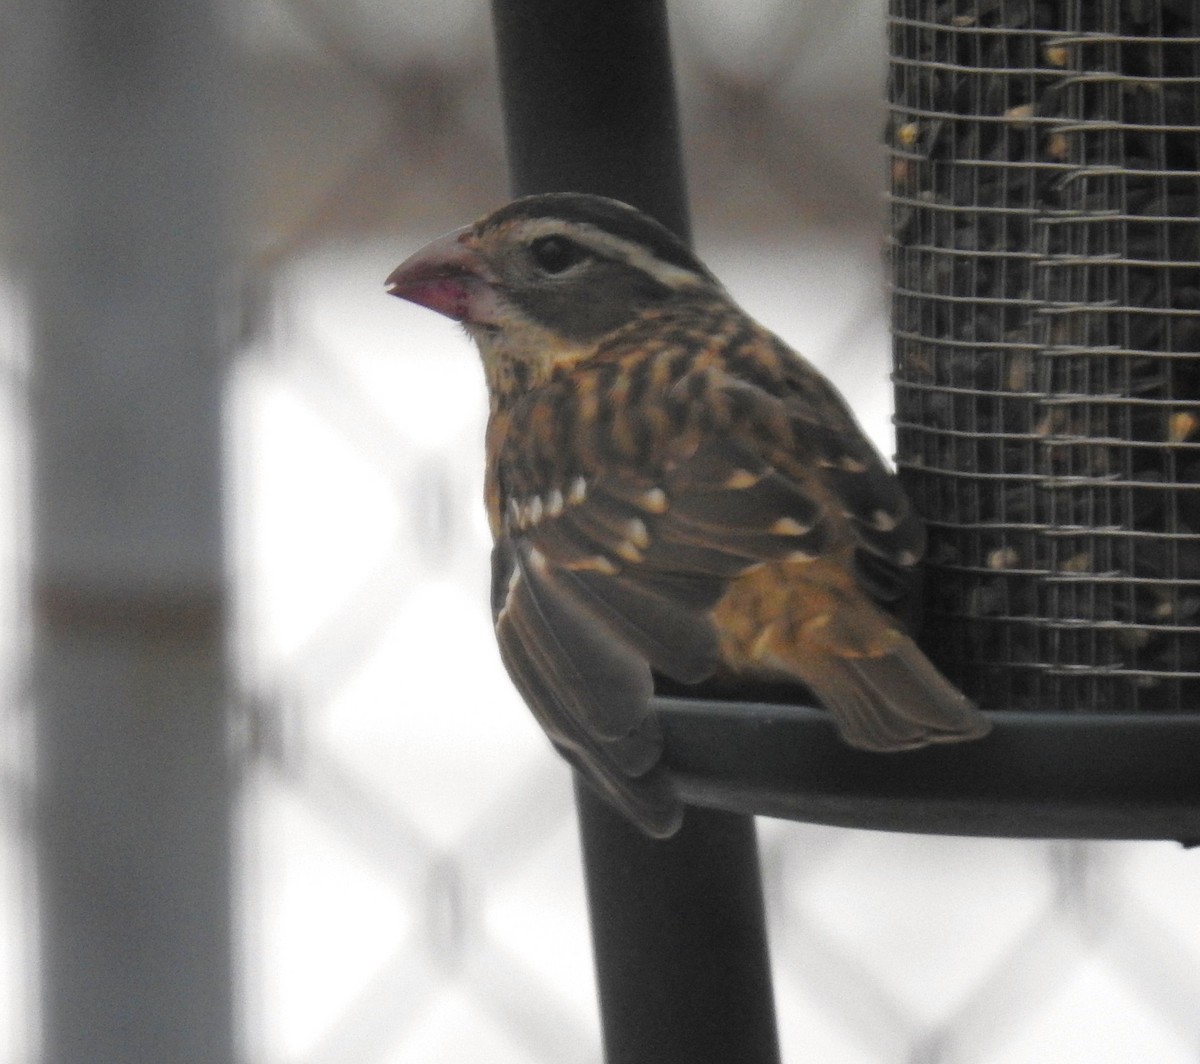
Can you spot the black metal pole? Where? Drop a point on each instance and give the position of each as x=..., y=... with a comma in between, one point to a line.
x=120, y=151
x=679, y=938
x=589, y=102
x=677, y=927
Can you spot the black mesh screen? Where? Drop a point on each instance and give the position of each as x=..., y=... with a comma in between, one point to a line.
x=1045, y=248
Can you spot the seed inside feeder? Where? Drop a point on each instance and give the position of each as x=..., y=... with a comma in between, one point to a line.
x=1045, y=259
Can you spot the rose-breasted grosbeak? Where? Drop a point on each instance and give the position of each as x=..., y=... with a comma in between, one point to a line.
x=674, y=491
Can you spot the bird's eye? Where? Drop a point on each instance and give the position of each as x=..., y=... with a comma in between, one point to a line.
x=556, y=254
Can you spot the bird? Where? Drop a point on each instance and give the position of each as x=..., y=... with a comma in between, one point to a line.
x=673, y=493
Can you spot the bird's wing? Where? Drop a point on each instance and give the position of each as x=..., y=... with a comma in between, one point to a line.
x=608, y=570
x=589, y=690
x=587, y=602
x=602, y=578
x=646, y=554
x=828, y=446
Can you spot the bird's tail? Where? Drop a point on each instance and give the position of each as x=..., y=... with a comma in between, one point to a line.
x=896, y=700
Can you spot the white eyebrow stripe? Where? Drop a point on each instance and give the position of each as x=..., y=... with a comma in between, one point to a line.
x=612, y=247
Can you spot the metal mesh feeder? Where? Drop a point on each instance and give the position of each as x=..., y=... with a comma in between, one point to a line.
x=1045, y=250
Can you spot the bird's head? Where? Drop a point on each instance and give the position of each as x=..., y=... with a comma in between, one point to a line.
x=540, y=282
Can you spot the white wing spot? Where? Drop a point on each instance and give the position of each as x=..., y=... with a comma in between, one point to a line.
x=883, y=521
x=596, y=564
x=800, y=556
x=513, y=580
x=740, y=479
x=654, y=500
x=639, y=534
x=554, y=503
x=577, y=491
x=629, y=552
x=907, y=558
x=535, y=510
x=789, y=526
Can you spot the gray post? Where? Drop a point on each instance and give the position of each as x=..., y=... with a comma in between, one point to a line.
x=120, y=134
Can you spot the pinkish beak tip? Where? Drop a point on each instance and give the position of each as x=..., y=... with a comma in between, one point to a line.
x=446, y=276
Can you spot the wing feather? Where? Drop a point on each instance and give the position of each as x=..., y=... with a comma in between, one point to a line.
x=888, y=537
x=602, y=679
x=589, y=691
x=648, y=615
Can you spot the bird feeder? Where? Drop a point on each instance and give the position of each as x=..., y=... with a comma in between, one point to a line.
x=1045, y=250
x=1044, y=161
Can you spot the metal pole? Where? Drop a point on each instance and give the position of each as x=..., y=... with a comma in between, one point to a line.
x=589, y=102
x=121, y=135
x=677, y=927
x=679, y=938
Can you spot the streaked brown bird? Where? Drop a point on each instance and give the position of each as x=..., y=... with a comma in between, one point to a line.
x=672, y=491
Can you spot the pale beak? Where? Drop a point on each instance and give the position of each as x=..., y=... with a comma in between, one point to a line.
x=449, y=277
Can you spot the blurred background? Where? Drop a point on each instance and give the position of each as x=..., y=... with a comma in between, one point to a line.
x=408, y=880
